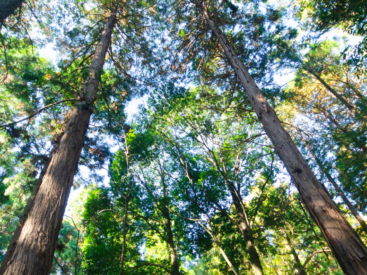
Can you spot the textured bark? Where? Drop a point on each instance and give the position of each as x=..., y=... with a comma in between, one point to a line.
x=346, y=245
x=246, y=231
x=7, y=8
x=38, y=239
x=13, y=243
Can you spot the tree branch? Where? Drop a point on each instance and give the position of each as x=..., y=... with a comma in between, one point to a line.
x=37, y=112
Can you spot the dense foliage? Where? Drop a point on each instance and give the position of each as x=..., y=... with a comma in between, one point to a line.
x=189, y=182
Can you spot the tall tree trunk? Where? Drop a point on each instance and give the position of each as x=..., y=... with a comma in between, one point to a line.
x=343, y=100
x=7, y=8
x=346, y=245
x=170, y=242
x=337, y=188
x=23, y=217
x=246, y=231
x=38, y=239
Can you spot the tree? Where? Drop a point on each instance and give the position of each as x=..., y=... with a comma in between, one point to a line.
x=342, y=132
x=46, y=214
x=347, y=15
x=313, y=195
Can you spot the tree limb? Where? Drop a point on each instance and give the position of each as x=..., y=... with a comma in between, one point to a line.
x=37, y=112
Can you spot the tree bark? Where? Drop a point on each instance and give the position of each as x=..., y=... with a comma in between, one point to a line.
x=246, y=231
x=7, y=8
x=346, y=245
x=337, y=188
x=13, y=243
x=38, y=239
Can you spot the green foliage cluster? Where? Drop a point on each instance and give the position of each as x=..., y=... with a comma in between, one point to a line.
x=194, y=164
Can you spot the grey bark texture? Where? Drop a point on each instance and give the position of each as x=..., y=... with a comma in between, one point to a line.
x=38, y=239
x=349, y=250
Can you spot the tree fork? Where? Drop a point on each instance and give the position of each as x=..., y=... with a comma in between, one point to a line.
x=349, y=250
x=38, y=239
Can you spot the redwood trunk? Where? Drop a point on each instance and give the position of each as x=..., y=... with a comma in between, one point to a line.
x=346, y=245
x=38, y=239
x=13, y=243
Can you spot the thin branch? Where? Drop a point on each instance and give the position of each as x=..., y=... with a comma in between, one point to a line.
x=262, y=191
x=310, y=257
x=61, y=267
x=37, y=112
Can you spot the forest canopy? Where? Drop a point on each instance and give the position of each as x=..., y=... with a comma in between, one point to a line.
x=183, y=137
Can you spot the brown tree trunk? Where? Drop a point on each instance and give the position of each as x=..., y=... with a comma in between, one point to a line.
x=337, y=188
x=170, y=242
x=22, y=219
x=38, y=239
x=7, y=8
x=346, y=245
x=246, y=231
